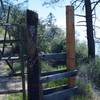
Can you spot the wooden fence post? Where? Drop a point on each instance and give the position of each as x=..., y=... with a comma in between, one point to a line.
x=33, y=69
x=70, y=39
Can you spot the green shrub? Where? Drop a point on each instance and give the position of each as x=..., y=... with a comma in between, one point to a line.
x=16, y=96
x=85, y=92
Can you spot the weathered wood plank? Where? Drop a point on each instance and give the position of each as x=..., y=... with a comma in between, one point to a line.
x=53, y=72
x=12, y=58
x=70, y=39
x=53, y=56
x=11, y=91
x=54, y=59
x=60, y=95
x=9, y=41
x=57, y=76
x=55, y=89
x=33, y=68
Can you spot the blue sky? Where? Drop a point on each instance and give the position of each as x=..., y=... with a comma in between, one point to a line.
x=59, y=13
x=43, y=11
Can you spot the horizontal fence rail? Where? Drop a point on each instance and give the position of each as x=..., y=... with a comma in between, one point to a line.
x=44, y=57
x=53, y=72
x=55, y=89
x=11, y=91
x=9, y=41
x=53, y=56
x=60, y=95
x=57, y=76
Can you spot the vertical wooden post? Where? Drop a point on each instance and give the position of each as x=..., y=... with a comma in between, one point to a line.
x=33, y=69
x=21, y=53
x=70, y=39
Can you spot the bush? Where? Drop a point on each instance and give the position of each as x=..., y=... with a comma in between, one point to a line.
x=84, y=92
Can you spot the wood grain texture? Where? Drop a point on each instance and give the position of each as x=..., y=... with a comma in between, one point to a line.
x=70, y=39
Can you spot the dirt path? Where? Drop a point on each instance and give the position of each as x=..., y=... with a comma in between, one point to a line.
x=8, y=83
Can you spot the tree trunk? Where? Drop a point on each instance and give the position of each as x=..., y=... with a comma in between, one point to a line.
x=89, y=25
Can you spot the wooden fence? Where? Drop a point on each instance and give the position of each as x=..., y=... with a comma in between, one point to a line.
x=35, y=78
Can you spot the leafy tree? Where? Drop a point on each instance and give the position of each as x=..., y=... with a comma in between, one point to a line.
x=49, y=34
x=58, y=47
x=81, y=53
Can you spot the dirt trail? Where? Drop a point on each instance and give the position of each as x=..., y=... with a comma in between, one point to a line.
x=8, y=83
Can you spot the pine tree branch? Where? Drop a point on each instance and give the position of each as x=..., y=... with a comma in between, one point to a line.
x=96, y=4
